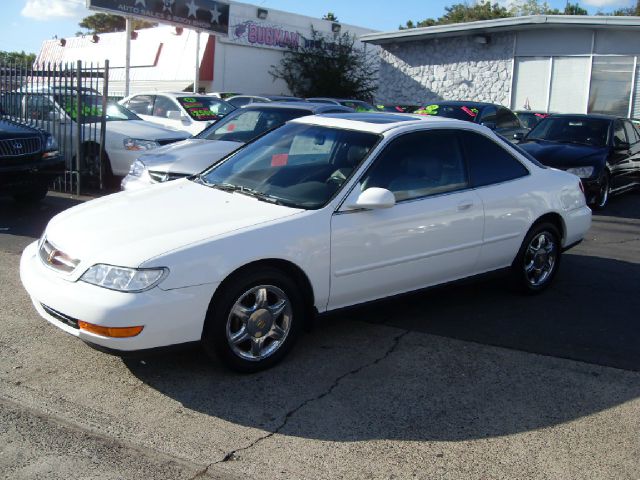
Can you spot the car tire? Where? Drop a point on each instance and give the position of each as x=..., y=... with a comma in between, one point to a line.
x=602, y=198
x=32, y=195
x=538, y=259
x=254, y=320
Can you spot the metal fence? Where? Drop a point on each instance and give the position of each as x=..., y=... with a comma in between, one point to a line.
x=70, y=102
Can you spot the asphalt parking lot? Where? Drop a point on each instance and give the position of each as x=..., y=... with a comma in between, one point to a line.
x=469, y=381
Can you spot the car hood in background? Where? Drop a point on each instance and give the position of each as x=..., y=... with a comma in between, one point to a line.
x=565, y=155
x=144, y=130
x=189, y=156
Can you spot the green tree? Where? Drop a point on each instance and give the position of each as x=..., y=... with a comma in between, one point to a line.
x=463, y=12
x=575, y=9
x=17, y=57
x=107, y=23
x=331, y=17
x=328, y=67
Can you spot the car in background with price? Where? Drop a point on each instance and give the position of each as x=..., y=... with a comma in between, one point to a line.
x=55, y=110
x=178, y=110
x=192, y=156
x=495, y=117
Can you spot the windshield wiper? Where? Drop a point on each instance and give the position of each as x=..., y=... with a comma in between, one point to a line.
x=264, y=197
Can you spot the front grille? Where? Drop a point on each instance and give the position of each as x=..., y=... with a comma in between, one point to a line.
x=67, y=320
x=56, y=259
x=167, y=141
x=20, y=147
x=166, y=176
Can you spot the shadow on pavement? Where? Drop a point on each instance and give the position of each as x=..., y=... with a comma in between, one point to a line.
x=428, y=387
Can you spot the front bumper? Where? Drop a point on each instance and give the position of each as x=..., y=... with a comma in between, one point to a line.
x=17, y=178
x=169, y=317
x=591, y=189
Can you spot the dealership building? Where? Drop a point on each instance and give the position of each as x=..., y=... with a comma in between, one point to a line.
x=555, y=63
x=164, y=58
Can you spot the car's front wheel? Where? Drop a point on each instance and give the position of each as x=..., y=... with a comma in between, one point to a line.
x=254, y=320
x=538, y=259
x=602, y=197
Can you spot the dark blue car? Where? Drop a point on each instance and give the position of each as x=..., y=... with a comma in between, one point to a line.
x=603, y=150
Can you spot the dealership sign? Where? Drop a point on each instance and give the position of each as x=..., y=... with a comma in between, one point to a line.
x=206, y=15
x=263, y=34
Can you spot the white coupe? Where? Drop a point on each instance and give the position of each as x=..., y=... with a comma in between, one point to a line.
x=322, y=213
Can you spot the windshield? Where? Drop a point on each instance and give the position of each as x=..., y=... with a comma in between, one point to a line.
x=245, y=125
x=459, y=112
x=530, y=119
x=585, y=131
x=359, y=105
x=205, y=109
x=301, y=166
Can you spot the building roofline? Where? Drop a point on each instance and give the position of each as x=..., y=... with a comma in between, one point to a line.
x=502, y=24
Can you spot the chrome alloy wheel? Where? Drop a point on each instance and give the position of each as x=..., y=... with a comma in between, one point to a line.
x=259, y=322
x=540, y=259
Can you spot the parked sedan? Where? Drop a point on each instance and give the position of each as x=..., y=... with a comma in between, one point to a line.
x=324, y=212
x=194, y=155
x=496, y=117
x=604, y=151
x=184, y=111
x=55, y=109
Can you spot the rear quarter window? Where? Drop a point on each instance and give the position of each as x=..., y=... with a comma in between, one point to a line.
x=489, y=163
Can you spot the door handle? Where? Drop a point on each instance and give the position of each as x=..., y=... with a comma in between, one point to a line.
x=465, y=205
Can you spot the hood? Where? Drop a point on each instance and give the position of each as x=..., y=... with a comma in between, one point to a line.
x=128, y=228
x=10, y=130
x=565, y=155
x=145, y=130
x=189, y=156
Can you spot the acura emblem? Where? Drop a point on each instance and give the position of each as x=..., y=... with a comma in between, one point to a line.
x=51, y=256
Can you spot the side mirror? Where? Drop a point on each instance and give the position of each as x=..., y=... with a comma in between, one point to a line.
x=518, y=136
x=373, y=198
x=490, y=125
x=621, y=146
x=174, y=115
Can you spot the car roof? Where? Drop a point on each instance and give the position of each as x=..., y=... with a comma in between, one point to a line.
x=175, y=94
x=376, y=122
x=310, y=106
x=600, y=116
x=462, y=103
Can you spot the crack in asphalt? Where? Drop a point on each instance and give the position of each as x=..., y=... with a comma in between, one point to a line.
x=233, y=455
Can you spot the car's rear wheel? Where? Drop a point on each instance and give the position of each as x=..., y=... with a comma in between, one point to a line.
x=538, y=259
x=254, y=321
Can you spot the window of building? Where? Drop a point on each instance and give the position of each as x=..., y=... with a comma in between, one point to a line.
x=569, y=84
x=488, y=162
x=531, y=82
x=611, y=78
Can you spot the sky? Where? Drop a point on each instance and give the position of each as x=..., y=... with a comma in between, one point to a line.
x=27, y=23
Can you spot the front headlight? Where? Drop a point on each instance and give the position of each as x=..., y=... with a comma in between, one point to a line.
x=50, y=147
x=123, y=279
x=137, y=169
x=582, y=172
x=139, y=144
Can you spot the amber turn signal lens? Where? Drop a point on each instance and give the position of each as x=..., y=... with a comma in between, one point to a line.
x=113, y=332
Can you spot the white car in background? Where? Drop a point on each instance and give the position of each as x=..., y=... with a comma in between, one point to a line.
x=324, y=212
x=54, y=109
x=184, y=111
